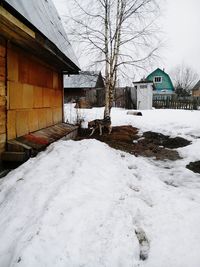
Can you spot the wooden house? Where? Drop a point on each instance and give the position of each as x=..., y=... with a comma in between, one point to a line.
x=34, y=54
x=162, y=82
x=196, y=90
x=88, y=85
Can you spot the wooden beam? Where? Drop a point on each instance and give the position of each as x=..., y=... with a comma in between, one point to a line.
x=16, y=22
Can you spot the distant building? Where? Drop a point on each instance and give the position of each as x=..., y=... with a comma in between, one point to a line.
x=120, y=97
x=88, y=85
x=143, y=94
x=162, y=82
x=196, y=89
x=139, y=96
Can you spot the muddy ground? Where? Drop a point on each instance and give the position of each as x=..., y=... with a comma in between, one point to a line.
x=194, y=166
x=127, y=138
x=150, y=144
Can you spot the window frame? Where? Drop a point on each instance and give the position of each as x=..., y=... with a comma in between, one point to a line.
x=156, y=77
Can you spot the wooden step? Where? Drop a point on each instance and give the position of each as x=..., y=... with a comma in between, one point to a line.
x=22, y=148
x=16, y=146
x=8, y=156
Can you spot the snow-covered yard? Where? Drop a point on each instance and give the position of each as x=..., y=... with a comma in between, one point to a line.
x=81, y=203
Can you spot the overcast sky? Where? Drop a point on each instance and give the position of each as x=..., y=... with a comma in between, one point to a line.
x=180, y=21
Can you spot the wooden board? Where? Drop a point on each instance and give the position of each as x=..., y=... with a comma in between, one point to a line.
x=22, y=122
x=2, y=89
x=40, y=139
x=33, y=120
x=42, y=118
x=2, y=121
x=55, y=80
x=15, y=95
x=34, y=73
x=58, y=98
x=49, y=116
x=13, y=65
x=34, y=94
x=27, y=96
x=38, y=97
x=57, y=115
x=11, y=124
x=46, y=97
x=2, y=142
x=2, y=50
x=2, y=66
x=2, y=95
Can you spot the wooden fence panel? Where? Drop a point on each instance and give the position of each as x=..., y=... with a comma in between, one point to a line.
x=190, y=103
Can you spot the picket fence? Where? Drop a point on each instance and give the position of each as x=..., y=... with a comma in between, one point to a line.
x=189, y=103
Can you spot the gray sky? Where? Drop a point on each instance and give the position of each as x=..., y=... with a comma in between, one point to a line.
x=180, y=21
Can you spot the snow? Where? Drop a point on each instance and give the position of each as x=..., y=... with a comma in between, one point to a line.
x=85, y=204
x=167, y=121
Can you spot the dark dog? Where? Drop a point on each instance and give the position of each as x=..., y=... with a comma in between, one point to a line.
x=100, y=124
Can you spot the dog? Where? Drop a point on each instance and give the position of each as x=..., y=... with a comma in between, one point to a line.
x=100, y=124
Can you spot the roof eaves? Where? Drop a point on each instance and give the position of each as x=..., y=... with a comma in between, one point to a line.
x=51, y=46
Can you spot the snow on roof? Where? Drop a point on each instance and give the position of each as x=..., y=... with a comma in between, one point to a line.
x=44, y=16
x=85, y=79
x=197, y=86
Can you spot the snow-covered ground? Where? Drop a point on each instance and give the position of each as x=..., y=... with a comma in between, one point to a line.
x=81, y=203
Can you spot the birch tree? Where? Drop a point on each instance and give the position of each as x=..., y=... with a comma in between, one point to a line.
x=117, y=34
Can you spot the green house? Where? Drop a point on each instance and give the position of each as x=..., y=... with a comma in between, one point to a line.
x=162, y=81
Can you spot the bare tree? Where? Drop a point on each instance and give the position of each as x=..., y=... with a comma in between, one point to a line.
x=184, y=78
x=117, y=33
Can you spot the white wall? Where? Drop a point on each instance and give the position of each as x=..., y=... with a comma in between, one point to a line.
x=144, y=96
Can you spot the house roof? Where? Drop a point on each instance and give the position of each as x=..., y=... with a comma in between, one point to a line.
x=155, y=72
x=85, y=79
x=197, y=86
x=43, y=15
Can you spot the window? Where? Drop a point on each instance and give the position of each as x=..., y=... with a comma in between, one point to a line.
x=143, y=86
x=157, y=79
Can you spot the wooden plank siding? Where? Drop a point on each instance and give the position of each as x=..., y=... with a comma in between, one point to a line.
x=2, y=94
x=34, y=94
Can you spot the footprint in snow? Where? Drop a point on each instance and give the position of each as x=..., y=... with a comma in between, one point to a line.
x=144, y=243
x=132, y=167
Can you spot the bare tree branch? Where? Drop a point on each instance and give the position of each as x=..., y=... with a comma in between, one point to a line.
x=119, y=33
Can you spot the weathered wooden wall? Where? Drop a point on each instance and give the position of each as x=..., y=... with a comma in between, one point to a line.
x=2, y=94
x=96, y=97
x=35, y=95
x=73, y=94
x=196, y=92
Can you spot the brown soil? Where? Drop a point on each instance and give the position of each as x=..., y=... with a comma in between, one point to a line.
x=194, y=166
x=165, y=140
x=151, y=144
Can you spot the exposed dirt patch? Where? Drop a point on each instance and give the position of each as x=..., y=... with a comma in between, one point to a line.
x=151, y=144
x=194, y=166
x=165, y=140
